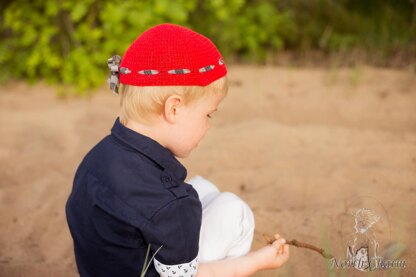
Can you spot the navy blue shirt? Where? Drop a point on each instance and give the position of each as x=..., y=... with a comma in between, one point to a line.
x=129, y=192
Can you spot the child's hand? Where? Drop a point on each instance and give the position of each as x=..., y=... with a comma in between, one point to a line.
x=273, y=255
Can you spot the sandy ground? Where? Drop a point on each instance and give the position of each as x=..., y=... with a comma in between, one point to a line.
x=303, y=147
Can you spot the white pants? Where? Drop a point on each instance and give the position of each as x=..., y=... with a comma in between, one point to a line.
x=227, y=223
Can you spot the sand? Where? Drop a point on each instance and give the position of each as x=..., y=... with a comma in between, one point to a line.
x=302, y=146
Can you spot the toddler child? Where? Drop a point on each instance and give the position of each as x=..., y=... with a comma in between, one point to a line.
x=130, y=192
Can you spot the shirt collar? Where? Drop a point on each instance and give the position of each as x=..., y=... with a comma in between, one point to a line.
x=150, y=148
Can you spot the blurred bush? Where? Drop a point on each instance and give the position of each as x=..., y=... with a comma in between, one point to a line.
x=68, y=42
x=372, y=25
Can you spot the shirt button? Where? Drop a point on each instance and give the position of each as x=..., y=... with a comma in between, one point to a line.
x=166, y=179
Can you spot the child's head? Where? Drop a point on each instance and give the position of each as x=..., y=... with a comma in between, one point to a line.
x=145, y=104
x=172, y=79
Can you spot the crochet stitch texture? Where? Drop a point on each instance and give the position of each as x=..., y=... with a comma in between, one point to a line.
x=169, y=55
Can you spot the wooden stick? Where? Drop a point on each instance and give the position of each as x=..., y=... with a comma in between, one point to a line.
x=301, y=244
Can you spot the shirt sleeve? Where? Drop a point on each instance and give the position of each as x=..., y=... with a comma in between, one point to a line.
x=175, y=228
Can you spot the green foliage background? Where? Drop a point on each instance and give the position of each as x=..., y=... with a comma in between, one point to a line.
x=68, y=42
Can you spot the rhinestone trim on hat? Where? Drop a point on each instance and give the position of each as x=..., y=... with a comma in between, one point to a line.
x=149, y=72
x=179, y=71
x=125, y=70
x=206, y=68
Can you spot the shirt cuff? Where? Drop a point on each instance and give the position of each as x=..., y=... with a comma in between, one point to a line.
x=179, y=270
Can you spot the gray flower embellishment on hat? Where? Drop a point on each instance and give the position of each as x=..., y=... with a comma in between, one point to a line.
x=113, y=80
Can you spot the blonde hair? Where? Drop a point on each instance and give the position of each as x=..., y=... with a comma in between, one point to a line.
x=144, y=104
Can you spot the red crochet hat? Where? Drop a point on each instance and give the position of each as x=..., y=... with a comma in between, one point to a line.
x=169, y=55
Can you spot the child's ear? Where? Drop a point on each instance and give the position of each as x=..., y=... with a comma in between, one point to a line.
x=172, y=104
